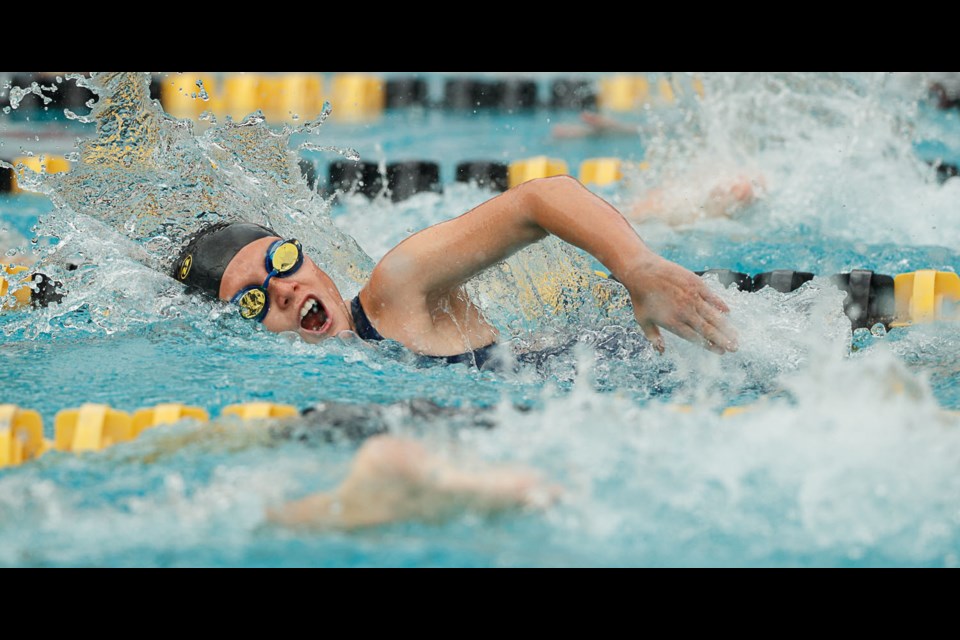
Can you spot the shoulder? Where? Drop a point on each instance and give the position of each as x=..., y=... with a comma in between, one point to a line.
x=392, y=296
x=394, y=278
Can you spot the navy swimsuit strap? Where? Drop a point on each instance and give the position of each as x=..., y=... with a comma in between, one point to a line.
x=364, y=329
x=366, y=332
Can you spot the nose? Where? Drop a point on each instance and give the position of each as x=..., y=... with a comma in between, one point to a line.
x=283, y=292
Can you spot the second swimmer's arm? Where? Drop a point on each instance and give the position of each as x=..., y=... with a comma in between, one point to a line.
x=442, y=257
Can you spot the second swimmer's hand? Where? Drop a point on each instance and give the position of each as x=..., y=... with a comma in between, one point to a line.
x=664, y=294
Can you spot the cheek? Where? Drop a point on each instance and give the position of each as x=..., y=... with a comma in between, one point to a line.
x=272, y=323
x=323, y=282
x=278, y=322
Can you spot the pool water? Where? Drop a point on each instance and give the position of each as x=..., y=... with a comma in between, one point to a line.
x=845, y=454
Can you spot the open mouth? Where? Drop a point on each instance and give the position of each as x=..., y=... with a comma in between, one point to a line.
x=313, y=316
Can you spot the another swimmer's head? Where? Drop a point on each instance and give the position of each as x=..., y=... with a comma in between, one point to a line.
x=270, y=279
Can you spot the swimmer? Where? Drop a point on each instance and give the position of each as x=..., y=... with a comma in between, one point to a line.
x=719, y=197
x=416, y=296
x=693, y=198
x=593, y=124
x=416, y=293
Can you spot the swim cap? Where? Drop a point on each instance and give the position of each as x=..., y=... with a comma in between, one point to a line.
x=208, y=252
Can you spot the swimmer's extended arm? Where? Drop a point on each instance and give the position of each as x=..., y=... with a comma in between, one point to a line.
x=442, y=257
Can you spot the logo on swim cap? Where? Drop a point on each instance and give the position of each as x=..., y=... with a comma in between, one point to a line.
x=185, y=267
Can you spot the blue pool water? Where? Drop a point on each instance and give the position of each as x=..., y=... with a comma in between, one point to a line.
x=847, y=455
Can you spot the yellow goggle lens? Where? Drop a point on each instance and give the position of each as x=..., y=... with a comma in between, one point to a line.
x=252, y=303
x=285, y=257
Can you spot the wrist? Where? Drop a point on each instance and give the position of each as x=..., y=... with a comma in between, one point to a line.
x=639, y=266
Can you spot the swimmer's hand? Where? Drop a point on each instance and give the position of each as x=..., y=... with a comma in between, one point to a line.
x=664, y=294
x=394, y=479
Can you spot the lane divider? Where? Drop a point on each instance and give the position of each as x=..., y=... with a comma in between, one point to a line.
x=601, y=171
x=925, y=296
x=406, y=92
x=17, y=287
x=21, y=435
x=238, y=96
x=357, y=97
x=92, y=427
x=294, y=94
x=165, y=414
x=623, y=92
x=31, y=289
x=527, y=169
x=472, y=94
x=260, y=410
x=403, y=179
x=894, y=301
x=96, y=427
x=580, y=95
x=360, y=96
x=187, y=95
x=486, y=174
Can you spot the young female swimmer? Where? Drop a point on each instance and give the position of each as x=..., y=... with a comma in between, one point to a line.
x=416, y=296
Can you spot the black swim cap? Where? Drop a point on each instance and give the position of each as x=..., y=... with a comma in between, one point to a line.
x=208, y=252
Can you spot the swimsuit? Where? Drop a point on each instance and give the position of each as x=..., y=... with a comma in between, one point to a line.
x=366, y=331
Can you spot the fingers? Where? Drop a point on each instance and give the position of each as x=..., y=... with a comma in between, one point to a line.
x=705, y=326
x=699, y=336
x=689, y=309
x=712, y=298
x=718, y=341
x=715, y=327
x=652, y=334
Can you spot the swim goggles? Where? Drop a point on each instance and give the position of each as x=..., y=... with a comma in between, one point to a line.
x=284, y=258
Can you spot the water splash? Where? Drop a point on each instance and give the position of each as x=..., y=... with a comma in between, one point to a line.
x=349, y=154
x=202, y=93
x=17, y=94
x=147, y=181
x=311, y=126
x=148, y=175
x=824, y=144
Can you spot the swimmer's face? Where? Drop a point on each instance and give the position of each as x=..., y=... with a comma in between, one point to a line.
x=306, y=302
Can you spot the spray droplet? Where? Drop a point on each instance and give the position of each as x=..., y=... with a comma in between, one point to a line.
x=73, y=116
x=878, y=330
x=349, y=154
x=203, y=91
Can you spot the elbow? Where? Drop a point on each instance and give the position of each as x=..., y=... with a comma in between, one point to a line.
x=539, y=190
x=551, y=183
x=539, y=200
